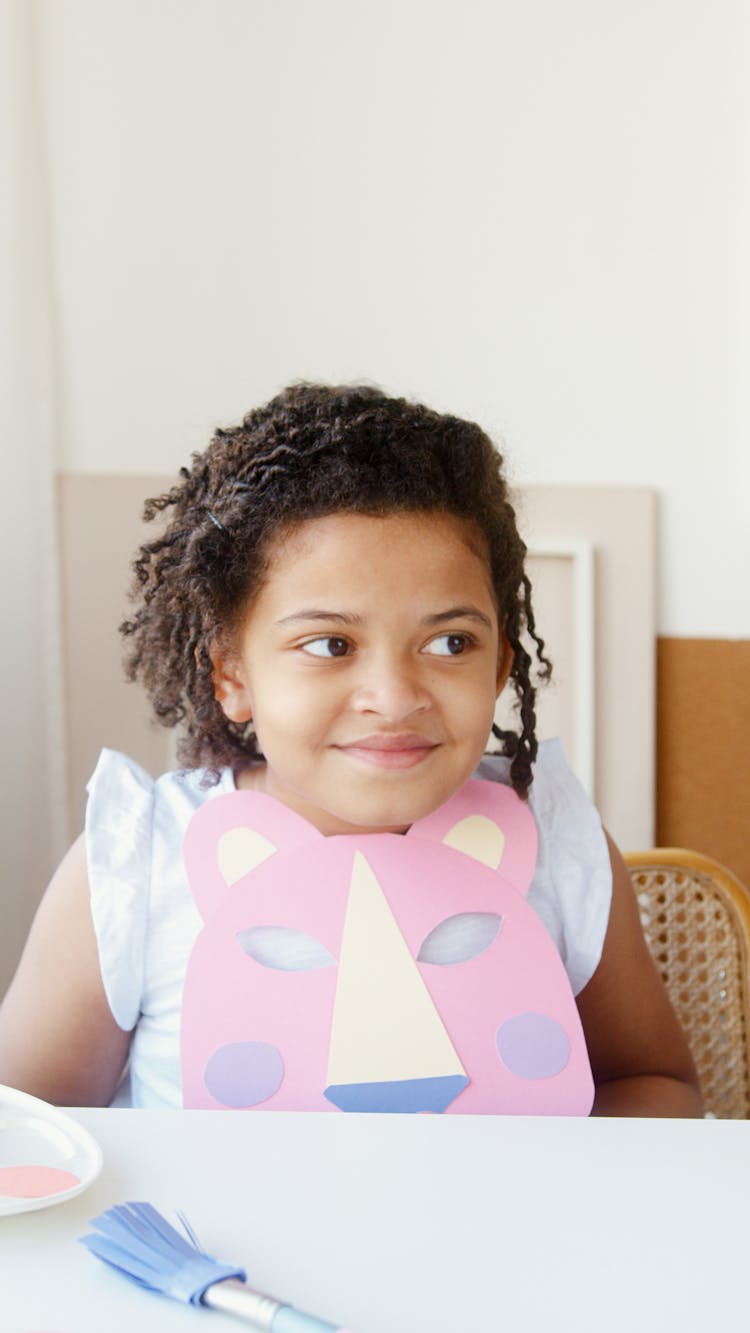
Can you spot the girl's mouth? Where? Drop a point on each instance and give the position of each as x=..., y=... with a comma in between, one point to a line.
x=404, y=750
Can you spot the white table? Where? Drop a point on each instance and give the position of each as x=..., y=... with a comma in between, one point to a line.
x=401, y=1224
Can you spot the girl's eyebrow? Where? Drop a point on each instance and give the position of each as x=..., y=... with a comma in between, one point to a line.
x=314, y=613
x=458, y=613
x=347, y=618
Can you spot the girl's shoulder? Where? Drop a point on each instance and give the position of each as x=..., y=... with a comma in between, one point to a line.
x=555, y=791
x=140, y=904
x=572, y=885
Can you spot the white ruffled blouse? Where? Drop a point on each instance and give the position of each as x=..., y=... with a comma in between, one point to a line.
x=146, y=922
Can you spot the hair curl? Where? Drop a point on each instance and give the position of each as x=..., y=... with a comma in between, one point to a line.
x=311, y=451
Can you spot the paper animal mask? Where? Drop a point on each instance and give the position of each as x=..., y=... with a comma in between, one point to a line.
x=375, y=972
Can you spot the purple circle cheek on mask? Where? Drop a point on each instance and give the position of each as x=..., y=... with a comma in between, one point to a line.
x=244, y=1073
x=533, y=1046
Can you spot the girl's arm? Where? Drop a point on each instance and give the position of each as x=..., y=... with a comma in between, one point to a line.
x=58, y=1039
x=639, y=1056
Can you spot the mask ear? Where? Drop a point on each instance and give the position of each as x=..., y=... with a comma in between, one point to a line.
x=489, y=823
x=230, y=835
x=231, y=688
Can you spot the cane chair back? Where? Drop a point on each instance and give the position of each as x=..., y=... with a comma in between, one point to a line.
x=696, y=919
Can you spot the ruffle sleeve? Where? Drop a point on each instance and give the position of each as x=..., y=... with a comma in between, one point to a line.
x=574, y=859
x=571, y=890
x=119, y=818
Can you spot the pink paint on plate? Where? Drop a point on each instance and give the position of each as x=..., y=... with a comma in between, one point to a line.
x=35, y=1182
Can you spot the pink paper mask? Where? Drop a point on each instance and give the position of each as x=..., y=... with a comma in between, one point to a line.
x=377, y=972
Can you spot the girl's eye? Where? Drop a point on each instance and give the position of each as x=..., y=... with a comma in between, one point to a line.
x=331, y=646
x=449, y=645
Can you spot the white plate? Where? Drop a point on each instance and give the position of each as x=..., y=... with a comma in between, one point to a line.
x=33, y=1133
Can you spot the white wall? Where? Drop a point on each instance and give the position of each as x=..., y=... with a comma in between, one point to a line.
x=32, y=807
x=533, y=214
x=536, y=215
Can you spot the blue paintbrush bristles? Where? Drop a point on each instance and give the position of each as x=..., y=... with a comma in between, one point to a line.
x=135, y=1238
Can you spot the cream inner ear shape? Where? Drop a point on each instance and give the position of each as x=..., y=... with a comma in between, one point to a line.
x=478, y=837
x=240, y=851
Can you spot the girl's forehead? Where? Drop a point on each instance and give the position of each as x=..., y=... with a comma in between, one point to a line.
x=360, y=557
x=345, y=534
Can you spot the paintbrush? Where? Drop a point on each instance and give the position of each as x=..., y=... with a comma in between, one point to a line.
x=137, y=1240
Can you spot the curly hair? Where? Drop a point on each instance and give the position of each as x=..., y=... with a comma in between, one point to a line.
x=312, y=450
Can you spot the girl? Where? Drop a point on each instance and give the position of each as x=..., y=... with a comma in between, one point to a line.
x=335, y=604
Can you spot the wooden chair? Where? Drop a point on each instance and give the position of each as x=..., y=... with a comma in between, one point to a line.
x=696, y=919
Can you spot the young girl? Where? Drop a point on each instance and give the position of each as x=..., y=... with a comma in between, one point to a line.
x=336, y=602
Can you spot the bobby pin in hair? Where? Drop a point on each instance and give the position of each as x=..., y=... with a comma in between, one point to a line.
x=215, y=520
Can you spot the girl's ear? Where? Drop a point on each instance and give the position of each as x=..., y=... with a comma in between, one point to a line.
x=231, y=688
x=504, y=662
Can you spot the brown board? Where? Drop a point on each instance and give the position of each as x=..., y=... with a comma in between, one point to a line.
x=703, y=748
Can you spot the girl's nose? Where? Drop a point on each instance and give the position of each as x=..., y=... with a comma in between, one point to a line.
x=391, y=687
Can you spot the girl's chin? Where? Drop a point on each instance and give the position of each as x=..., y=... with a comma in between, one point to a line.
x=382, y=801
x=396, y=818
x=350, y=821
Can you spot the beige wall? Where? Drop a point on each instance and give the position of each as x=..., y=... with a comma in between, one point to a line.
x=32, y=819
x=610, y=622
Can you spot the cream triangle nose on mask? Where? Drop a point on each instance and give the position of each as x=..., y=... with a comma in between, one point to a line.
x=389, y=1050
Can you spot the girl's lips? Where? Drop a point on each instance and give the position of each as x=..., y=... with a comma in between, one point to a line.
x=390, y=751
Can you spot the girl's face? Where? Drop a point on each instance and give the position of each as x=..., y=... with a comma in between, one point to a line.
x=370, y=662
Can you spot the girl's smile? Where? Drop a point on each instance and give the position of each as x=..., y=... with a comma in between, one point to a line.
x=369, y=662
x=386, y=750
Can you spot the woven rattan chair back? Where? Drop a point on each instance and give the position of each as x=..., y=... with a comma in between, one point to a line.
x=696, y=919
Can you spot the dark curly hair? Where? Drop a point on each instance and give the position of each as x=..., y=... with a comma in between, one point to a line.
x=312, y=450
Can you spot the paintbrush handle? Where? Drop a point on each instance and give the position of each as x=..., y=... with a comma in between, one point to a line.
x=262, y=1313
x=235, y=1297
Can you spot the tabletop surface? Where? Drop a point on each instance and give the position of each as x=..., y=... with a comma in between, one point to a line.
x=409, y=1224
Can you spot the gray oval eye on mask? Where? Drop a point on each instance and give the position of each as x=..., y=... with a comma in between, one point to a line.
x=459, y=938
x=285, y=949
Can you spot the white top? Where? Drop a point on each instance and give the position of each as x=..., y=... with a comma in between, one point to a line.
x=146, y=921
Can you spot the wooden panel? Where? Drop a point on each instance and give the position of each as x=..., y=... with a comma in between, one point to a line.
x=100, y=530
x=703, y=748
x=620, y=524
